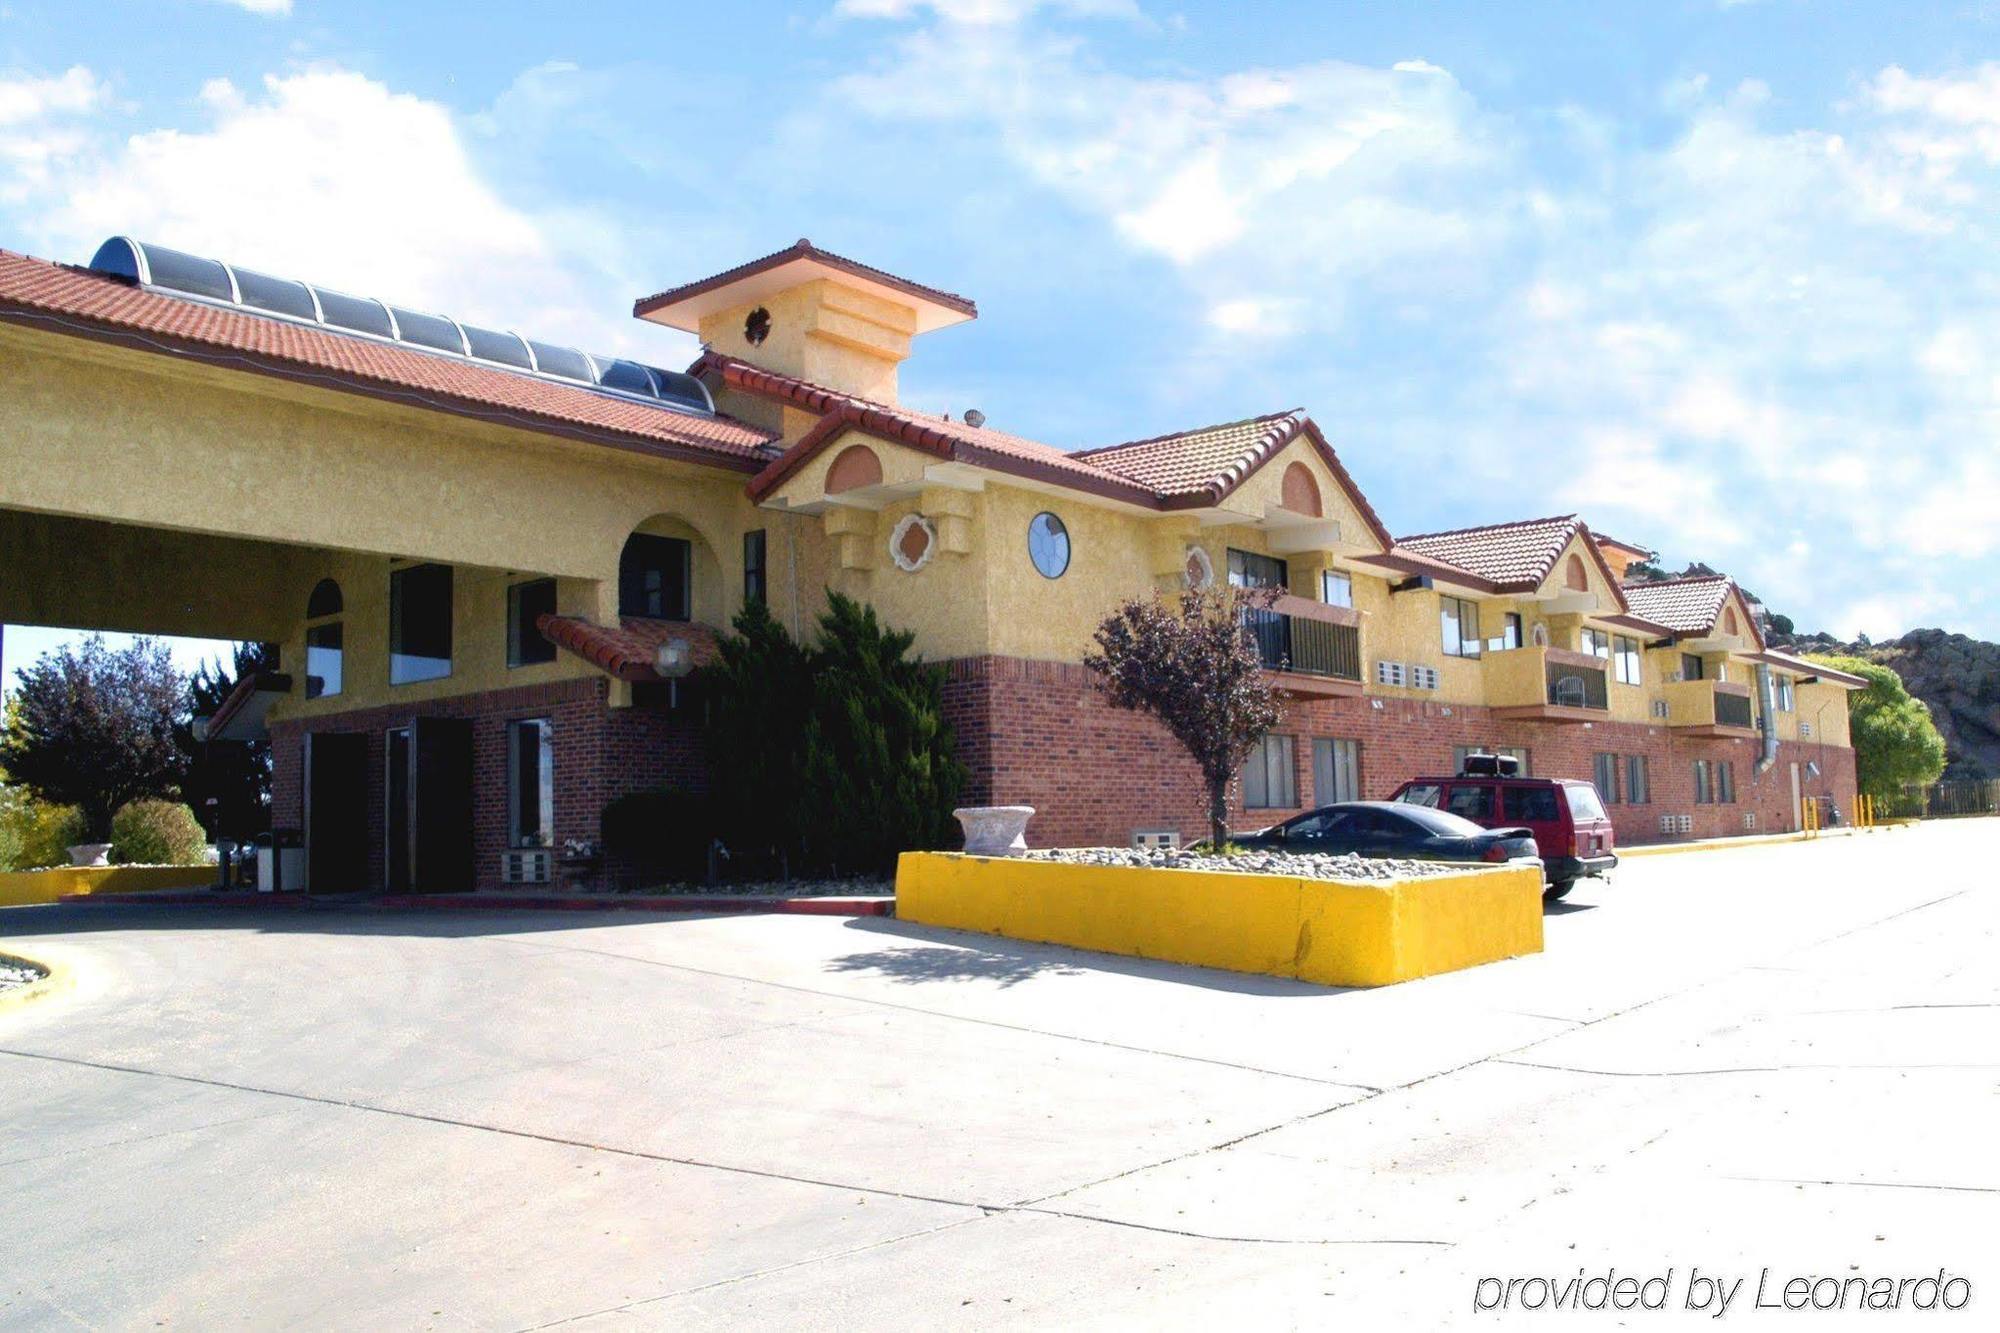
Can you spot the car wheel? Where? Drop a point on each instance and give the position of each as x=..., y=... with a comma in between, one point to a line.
x=1560, y=889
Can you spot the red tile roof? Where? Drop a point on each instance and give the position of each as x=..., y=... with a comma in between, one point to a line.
x=1188, y=470
x=628, y=649
x=1518, y=554
x=74, y=301
x=1686, y=606
x=803, y=249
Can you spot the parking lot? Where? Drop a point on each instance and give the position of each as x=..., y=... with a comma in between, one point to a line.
x=1777, y=1057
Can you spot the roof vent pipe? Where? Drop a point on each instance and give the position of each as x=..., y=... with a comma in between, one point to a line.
x=1767, y=720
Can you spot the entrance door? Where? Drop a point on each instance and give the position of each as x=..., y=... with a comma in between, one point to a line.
x=336, y=806
x=441, y=805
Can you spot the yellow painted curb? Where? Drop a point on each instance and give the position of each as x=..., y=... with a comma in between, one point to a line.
x=1753, y=840
x=22, y=888
x=56, y=979
x=1333, y=932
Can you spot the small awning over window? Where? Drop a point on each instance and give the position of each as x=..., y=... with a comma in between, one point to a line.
x=628, y=650
x=241, y=716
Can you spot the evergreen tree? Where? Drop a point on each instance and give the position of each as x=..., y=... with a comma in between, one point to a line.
x=1895, y=741
x=759, y=697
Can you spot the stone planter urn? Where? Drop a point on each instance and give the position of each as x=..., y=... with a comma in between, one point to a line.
x=995, y=830
x=90, y=854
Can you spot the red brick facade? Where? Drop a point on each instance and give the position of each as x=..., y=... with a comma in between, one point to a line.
x=1038, y=733
x=600, y=753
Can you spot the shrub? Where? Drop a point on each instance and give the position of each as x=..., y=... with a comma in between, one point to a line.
x=34, y=834
x=157, y=833
x=661, y=834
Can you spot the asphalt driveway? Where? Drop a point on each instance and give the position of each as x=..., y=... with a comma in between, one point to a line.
x=1779, y=1057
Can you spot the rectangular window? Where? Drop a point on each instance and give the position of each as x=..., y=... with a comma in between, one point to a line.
x=1785, y=700
x=1336, y=588
x=1626, y=660
x=1725, y=782
x=1604, y=776
x=1690, y=666
x=1595, y=642
x=1336, y=770
x=1638, y=787
x=1269, y=781
x=1702, y=793
x=756, y=583
x=419, y=623
x=1510, y=633
x=1470, y=800
x=1529, y=805
x=653, y=578
x=531, y=784
x=1459, y=753
x=1249, y=570
x=323, y=660
x=1459, y=622
x=527, y=603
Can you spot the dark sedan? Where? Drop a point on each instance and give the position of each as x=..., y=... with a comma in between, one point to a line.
x=1406, y=832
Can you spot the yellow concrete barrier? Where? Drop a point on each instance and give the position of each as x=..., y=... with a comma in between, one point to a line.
x=21, y=887
x=1333, y=932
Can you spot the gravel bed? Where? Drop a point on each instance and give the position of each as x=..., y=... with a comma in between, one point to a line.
x=1257, y=862
x=14, y=974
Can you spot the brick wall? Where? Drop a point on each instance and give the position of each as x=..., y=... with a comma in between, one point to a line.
x=1038, y=733
x=600, y=753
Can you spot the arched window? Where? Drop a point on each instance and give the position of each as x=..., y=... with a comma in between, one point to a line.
x=1299, y=492
x=324, y=647
x=1574, y=575
x=324, y=601
x=655, y=577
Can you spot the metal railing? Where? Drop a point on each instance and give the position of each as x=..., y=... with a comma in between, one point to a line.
x=1732, y=710
x=1305, y=645
x=1573, y=685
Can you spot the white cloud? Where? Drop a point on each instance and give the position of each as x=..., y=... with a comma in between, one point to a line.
x=275, y=8
x=983, y=13
x=27, y=98
x=328, y=175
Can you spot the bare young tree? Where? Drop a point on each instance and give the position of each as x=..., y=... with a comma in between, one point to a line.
x=1193, y=663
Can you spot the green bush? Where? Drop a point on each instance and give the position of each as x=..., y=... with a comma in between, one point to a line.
x=157, y=833
x=660, y=834
x=34, y=834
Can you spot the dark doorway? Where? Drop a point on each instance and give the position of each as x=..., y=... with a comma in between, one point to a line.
x=336, y=807
x=428, y=819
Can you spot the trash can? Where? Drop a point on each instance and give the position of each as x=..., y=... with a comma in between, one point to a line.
x=281, y=860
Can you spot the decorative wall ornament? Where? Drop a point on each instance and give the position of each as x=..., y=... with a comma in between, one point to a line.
x=1199, y=569
x=912, y=543
x=1539, y=636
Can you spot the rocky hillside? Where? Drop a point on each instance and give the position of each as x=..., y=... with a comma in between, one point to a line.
x=1958, y=677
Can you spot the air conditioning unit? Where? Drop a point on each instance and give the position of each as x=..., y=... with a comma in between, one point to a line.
x=1675, y=824
x=1164, y=839
x=1805, y=730
x=1660, y=709
x=1424, y=677
x=1390, y=673
x=529, y=865
x=1749, y=820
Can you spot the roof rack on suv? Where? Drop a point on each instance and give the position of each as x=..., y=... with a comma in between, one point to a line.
x=1490, y=766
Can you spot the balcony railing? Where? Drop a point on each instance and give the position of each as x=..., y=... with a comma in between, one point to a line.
x=1551, y=684
x=1710, y=704
x=1304, y=637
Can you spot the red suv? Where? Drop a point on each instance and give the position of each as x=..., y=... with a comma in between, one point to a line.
x=1567, y=817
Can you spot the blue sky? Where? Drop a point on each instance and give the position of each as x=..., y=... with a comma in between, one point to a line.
x=1719, y=275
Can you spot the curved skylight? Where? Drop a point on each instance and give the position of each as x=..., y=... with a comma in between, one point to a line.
x=177, y=273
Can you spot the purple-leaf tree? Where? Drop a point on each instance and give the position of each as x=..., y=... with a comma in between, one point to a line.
x=1193, y=663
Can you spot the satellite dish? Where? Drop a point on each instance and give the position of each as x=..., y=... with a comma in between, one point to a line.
x=974, y=417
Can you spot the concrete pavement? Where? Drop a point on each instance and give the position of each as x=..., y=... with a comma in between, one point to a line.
x=1783, y=1056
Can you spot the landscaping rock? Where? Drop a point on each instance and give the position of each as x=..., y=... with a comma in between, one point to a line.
x=1258, y=862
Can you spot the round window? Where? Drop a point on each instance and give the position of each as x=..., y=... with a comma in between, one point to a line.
x=1048, y=545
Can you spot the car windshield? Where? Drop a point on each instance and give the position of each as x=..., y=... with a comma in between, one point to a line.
x=1583, y=802
x=1422, y=793
x=1440, y=822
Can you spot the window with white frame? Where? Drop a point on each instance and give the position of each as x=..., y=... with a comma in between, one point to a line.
x=1596, y=642
x=1784, y=691
x=1336, y=587
x=1269, y=780
x=1625, y=660
x=1459, y=622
